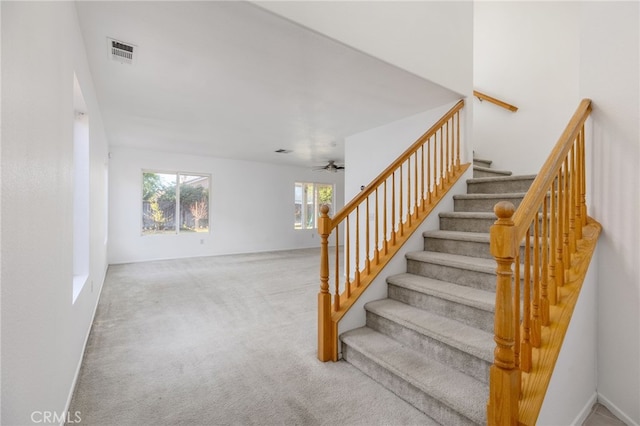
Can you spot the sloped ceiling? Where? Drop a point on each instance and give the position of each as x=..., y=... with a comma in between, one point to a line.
x=231, y=80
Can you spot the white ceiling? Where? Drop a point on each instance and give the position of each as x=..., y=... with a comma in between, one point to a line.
x=232, y=80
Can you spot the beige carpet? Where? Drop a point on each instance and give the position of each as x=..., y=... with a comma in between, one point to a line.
x=226, y=340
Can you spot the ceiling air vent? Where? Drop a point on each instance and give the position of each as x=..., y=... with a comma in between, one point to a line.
x=121, y=52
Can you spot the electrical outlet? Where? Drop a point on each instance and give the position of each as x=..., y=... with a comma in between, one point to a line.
x=202, y=241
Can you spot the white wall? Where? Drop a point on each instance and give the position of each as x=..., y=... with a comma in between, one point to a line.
x=432, y=39
x=43, y=333
x=572, y=390
x=609, y=70
x=525, y=53
x=369, y=153
x=251, y=206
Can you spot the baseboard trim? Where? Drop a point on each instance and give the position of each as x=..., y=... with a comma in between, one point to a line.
x=584, y=413
x=84, y=348
x=615, y=410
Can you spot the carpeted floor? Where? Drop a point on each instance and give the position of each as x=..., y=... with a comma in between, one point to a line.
x=226, y=340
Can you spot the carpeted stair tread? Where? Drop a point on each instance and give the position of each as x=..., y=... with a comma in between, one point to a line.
x=501, y=178
x=482, y=160
x=476, y=237
x=453, y=333
x=469, y=296
x=454, y=260
x=456, y=390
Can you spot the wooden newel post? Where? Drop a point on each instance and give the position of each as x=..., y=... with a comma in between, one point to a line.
x=504, y=380
x=326, y=342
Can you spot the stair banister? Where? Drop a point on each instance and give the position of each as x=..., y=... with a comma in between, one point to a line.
x=566, y=252
x=413, y=185
x=483, y=96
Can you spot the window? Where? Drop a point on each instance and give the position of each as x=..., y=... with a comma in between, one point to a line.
x=161, y=214
x=308, y=197
x=81, y=191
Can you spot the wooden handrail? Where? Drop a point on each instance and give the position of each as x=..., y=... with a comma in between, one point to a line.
x=368, y=190
x=539, y=188
x=395, y=202
x=553, y=213
x=484, y=96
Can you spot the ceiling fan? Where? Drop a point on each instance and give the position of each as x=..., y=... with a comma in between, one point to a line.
x=330, y=167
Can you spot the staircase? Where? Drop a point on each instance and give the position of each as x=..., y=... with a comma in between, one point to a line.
x=431, y=341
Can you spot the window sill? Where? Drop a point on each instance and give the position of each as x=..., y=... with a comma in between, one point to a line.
x=78, y=284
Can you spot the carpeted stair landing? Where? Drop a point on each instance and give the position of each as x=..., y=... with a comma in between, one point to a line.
x=431, y=341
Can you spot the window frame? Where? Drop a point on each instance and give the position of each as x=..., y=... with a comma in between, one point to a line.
x=177, y=226
x=316, y=204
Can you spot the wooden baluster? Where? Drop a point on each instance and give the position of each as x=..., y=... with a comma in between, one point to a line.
x=572, y=199
x=436, y=173
x=583, y=189
x=502, y=408
x=377, y=229
x=357, y=260
x=384, y=221
x=408, y=214
x=560, y=243
x=446, y=155
x=553, y=237
x=544, y=297
x=536, y=326
x=416, y=202
x=393, y=209
x=442, y=174
x=401, y=205
x=423, y=182
x=347, y=248
x=450, y=157
x=516, y=311
x=566, y=255
x=367, y=262
x=429, y=180
x=457, y=115
x=336, y=302
x=326, y=340
x=526, y=320
x=577, y=199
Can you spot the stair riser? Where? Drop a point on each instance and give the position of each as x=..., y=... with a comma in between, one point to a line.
x=481, y=205
x=465, y=314
x=487, y=173
x=432, y=348
x=404, y=389
x=466, y=224
x=469, y=278
x=499, y=187
x=482, y=163
x=463, y=248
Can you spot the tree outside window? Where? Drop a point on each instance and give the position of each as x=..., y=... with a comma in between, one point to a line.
x=174, y=203
x=308, y=197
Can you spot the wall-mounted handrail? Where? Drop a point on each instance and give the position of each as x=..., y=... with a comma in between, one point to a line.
x=379, y=220
x=485, y=97
x=559, y=239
